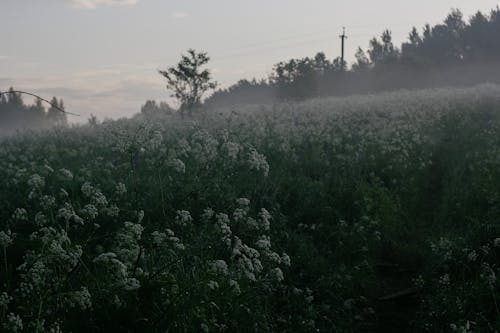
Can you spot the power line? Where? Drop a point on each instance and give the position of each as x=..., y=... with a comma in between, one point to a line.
x=285, y=38
x=253, y=52
x=312, y=33
x=286, y=45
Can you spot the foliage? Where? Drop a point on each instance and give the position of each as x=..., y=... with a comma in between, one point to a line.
x=456, y=52
x=16, y=115
x=151, y=107
x=188, y=81
x=269, y=219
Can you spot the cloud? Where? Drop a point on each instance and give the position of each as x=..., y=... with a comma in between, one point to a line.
x=179, y=15
x=92, y=4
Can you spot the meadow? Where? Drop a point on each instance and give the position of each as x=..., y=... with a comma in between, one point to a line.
x=363, y=213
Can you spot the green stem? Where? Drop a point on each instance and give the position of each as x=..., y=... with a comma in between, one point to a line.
x=6, y=269
x=496, y=305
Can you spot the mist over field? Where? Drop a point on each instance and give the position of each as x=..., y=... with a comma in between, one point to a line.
x=355, y=193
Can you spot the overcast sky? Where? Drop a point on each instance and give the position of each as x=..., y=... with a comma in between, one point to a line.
x=102, y=56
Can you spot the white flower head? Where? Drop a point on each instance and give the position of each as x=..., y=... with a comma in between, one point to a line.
x=244, y=202
x=277, y=274
x=213, y=285
x=120, y=189
x=258, y=162
x=235, y=286
x=66, y=174
x=177, y=165
x=6, y=238
x=183, y=217
x=20, y=214
x=219, y=267
x=285, y=259
x=36, y=181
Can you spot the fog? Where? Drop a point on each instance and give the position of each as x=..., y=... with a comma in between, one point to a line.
x=329, y=196
x=457, y=52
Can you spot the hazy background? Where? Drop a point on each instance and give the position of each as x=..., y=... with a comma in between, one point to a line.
x=102, y=56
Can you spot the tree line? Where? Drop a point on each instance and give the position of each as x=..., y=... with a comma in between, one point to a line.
x=15, y=114
x=455, y=52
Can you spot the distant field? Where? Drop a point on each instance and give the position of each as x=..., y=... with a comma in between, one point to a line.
x=365, y=213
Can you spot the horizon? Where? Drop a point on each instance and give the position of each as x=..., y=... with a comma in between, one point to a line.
x=110, y=68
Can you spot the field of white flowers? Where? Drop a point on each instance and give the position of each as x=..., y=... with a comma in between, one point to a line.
x=266, y=218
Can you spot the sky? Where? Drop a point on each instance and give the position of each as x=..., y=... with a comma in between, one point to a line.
x=102, y=56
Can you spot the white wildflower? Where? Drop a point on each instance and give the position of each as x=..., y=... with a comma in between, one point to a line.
x=36, y=181
x=208, y=213
x=183, y=217
x=120, y=189
x=4, y=300
x=235, y=286
x=232, y=149
x=444, y=280
x=112, y=210
x=89, y=211
x=87, y=189
x=67, y=213
x=264, y=243
x=156, y=140
x=273, y=257
x=66, y=174
x=258, y=162
x=47, y=169
x=63, y=193
x=80, y=299
x=20, y=214
x=131, y=284
x=204, y=328
x=140, y=216
x=13, y=323
x=264, y=219
x=243, y=202
x=47, y=202
x=224, y=228
x=219, y=267
x=285, y=259
x=158, y=238
x=177, y=165
x=472, y=255
x=277, y=274
x=213, y=285
x=257, y=265
x=252, y=223
x=6, y=238
x=496, y=242
x=99, y=199
x=183, y=147
x=239, y=214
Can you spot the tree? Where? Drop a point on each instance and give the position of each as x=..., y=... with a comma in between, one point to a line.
x=362, y=61
x=243, y=92
x=54, y=114
x=301, y=78
x=383, y=52
x=152, y=108
x=295, y=79
x=188, y=81
x=414, y=37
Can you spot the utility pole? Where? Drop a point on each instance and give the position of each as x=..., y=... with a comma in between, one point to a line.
x=343, y=37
